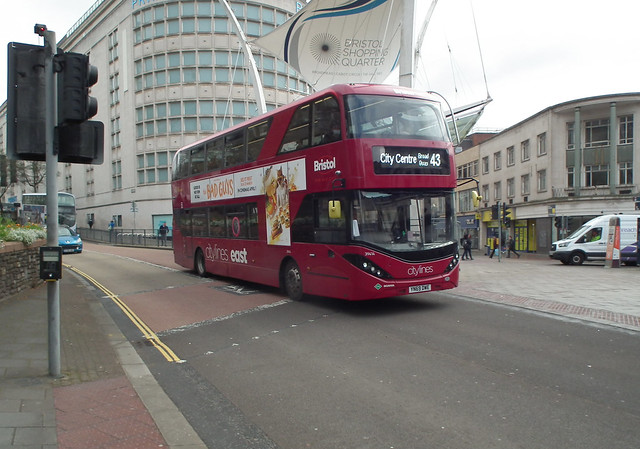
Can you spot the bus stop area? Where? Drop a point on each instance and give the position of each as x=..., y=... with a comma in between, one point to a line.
x=38, y=411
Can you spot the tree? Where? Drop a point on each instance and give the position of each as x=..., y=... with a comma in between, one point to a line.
x=31, y=173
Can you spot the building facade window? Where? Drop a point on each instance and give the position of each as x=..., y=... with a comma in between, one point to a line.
x=596, y=175
x=116, y=175
x=626, y=129
x=525, y=150
x=497, y=160
x=570, y=139
x=113, y=46
x=468, y=170
x=525, y=184
x=465, y=201
x=511, y=187
x=570, y=177
x=485, y=165
x=497, y=190
x=542, y=180
x=485, y=193
x=542, y=144
x=626, y=173
x=596, y=133
x=511, y=156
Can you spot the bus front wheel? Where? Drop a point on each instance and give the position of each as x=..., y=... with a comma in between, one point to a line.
x=293, y=281
x=577, y=258
x=199, y=264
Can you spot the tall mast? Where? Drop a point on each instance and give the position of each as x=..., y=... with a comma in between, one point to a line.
x=407, y=54
x=253, y=69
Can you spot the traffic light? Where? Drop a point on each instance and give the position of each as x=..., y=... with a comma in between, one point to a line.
x=77, y=139
x=26, y=113
x=507, y=215
x=75, y=77
x=558, y=222
x=494, y=212
x=80, y=143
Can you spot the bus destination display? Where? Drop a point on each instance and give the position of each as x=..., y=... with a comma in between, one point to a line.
x=402, y=160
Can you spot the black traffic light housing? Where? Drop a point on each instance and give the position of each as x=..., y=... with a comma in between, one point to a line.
x=77, y=139
x=75, y=77
x=558, y=222
x=26, y=114
x=495, y=212
x=507, y=215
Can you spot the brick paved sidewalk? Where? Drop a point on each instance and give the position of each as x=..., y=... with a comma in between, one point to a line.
x=93, y=405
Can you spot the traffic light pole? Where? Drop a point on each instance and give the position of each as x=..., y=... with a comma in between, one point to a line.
x=500, y=219
x=53, y=286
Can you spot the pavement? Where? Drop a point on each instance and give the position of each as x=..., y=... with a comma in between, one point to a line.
x=107, y=398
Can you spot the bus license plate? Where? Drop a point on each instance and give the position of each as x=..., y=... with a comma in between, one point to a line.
x=420, y=288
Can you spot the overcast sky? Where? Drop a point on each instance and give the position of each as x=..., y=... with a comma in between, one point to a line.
x=536, y=53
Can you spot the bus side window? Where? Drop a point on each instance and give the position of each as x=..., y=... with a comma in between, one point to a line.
x=328, y=229
x=216, y=222
x=199, y=222
x=326, y=121
x=197, y=160
x=215, y=153
x=256, y=135
x=184, y=217
x=236, y=221
x=234, y=148
x=298, y=134
x=181, y=165
x=302, y=225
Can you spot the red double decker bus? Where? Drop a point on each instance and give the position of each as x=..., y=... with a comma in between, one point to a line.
x=346, y=193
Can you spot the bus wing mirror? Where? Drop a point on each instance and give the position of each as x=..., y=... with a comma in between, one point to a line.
x=476, y=198
x=335, y=209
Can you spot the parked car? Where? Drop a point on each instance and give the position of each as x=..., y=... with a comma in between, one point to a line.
x=69, y=240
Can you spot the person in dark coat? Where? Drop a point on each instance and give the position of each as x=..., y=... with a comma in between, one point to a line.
x=466, y=245
x=511, y=247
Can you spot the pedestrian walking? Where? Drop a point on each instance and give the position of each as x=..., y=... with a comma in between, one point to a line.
x=466, y=245
x=162, y=234
x=494, y=247
x=511, y=247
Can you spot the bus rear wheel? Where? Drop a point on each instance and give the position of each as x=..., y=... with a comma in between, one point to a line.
x=293, y=281
x=199, y=265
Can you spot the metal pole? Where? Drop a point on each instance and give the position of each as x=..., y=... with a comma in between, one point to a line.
x=499, y=232
x=407, y=46
x=53, y=286
x=253, y=69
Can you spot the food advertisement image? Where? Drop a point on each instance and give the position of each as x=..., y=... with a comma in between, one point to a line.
x=279, y=180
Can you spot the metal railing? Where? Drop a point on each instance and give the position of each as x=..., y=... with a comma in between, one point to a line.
x=126, y=237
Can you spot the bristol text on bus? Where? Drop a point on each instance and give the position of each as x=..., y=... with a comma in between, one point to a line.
x=347, y=193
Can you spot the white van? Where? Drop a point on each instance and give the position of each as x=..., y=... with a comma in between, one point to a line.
x=589, y=242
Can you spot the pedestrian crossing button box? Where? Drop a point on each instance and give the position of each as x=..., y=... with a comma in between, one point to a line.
x=50, y=263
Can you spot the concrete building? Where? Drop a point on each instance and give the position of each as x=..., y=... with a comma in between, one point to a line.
x=170, y=73
x=576, y=160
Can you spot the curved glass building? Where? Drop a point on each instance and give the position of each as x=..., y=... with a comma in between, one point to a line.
x=170, y=73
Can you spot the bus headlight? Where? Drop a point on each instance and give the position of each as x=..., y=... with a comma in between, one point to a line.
x=453, y=263
x=367, y=266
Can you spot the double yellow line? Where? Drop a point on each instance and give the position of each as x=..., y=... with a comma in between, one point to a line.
x=147, y=333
